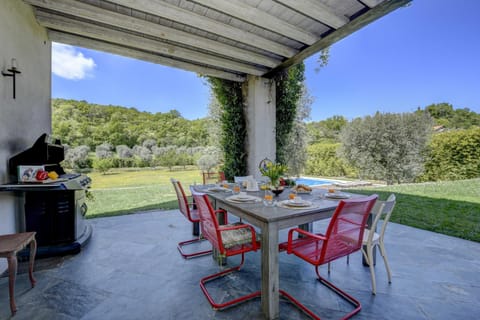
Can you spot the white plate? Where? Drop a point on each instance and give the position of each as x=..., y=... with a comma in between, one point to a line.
x=337, y=195
x=293, y=203
x=218, y=189
x=242, y=198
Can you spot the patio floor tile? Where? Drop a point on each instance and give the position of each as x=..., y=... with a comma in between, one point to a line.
x=130, y=269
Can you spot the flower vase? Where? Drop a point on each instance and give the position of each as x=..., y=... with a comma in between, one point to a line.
x=275, y=187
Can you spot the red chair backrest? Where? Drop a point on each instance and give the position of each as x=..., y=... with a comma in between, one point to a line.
x=208, y=220
x=345, y=231
x=182, y=200
x=221, y=176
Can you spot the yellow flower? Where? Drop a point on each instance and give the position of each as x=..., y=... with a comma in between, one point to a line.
x=274, y=171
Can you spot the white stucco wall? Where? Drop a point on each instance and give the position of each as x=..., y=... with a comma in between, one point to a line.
x=25, y=118
x=260, y=115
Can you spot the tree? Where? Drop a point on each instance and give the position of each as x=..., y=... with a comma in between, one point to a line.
x=102, y=164
x=323, y=59
x=168, y=159
x=445, y=115
x=326, y=131
x=297, y=140
x=387, y=146
x=207, y=162
x=149, y=143
x=125, y=154
x=144, y=154
x=104, y=151
x=453, y=155
x=214, y=119
x=324, y=161
x=77, y=158
x=81, y=123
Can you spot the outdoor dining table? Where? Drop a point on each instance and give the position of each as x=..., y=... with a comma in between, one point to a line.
x=270, y=220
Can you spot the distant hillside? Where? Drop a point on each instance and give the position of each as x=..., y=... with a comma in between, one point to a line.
x=81, y=123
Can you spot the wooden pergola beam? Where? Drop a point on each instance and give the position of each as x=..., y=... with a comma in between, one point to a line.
x=88, y=30
x=316, y=10
x=168, y=11
x=76, y=40
x=99, y=15
x=371, y=3
x=259, y=18
x=354, y=25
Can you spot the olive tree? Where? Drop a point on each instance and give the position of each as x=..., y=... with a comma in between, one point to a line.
x=387, y=146
x=77, y=158
x=104, y=151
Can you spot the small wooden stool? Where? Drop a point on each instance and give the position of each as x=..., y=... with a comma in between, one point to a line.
x=10, y=244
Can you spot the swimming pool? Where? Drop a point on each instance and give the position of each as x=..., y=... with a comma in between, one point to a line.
x=313, y=181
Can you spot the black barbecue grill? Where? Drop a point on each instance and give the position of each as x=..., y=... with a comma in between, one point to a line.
x=55, y=210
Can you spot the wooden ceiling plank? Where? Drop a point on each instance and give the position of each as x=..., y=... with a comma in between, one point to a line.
x=69, y=25
x=75, y=40
x=259, y=18
x=317, y=11
x=97, y=14
x=371, y=3
x=171, y=12
x=354, y=25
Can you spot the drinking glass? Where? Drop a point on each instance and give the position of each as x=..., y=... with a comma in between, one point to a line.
x=268, y=199
x=236, y=188
x=292, y=195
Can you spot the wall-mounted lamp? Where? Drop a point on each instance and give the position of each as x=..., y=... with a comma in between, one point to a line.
x=11, y=73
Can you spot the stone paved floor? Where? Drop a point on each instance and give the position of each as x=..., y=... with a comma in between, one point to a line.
x=131, y=269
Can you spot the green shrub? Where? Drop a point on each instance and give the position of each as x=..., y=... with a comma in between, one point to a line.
x=453, y=155
x=234, y=128
x=102, y=164
x=323, y=161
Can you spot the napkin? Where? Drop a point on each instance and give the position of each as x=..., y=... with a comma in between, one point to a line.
x=252, y=185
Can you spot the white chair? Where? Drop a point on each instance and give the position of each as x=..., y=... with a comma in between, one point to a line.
x=239, y=179
x=372, y=239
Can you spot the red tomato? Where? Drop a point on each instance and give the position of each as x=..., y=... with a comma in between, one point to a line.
x=41, y=175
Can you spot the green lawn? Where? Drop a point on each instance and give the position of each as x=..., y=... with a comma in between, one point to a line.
x=451, y=208
x=129, y=191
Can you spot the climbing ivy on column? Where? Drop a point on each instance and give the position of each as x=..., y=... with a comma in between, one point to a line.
x=288, y=92
x=234, y=129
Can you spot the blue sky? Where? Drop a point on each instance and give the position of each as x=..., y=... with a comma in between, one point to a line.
x=426, y=53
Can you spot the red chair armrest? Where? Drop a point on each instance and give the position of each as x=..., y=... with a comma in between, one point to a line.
x=304, y=233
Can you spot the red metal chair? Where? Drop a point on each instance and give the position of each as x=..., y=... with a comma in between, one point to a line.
x=228, y=240
x=191, y=214
x=209, y=176
x=344, y=236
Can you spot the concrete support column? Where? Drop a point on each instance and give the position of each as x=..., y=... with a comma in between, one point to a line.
x=260, y=118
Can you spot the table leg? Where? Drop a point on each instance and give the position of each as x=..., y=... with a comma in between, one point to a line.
x=196, y=229
x=12, y=274
x=270, y=276
x=374, y=250
x=306, y=227
x=33, y=252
